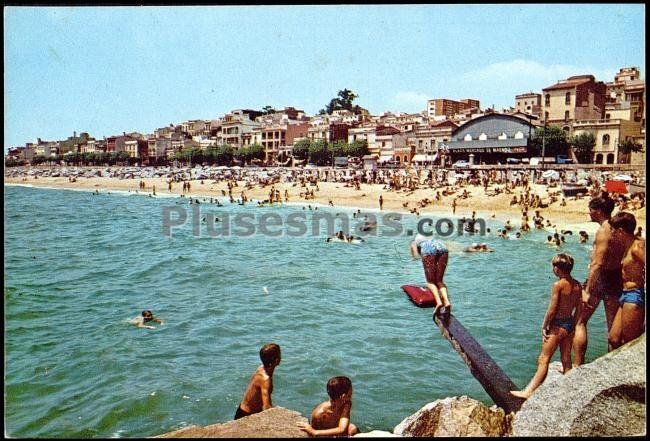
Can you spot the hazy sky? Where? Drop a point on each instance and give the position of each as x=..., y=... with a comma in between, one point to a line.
x=108, y=70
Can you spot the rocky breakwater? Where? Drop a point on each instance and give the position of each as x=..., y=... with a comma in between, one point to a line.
x=603, y=398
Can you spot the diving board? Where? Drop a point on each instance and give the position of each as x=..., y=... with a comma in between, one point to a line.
x=495, y=382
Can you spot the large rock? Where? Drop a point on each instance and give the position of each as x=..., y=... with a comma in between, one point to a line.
x=603, y=398
x=456, y=417
x=276, y=422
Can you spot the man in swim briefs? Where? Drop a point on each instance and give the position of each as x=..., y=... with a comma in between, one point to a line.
x=604, y=279
x=630, y=317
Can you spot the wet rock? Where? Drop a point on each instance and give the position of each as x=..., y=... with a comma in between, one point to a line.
x=276, y=422
x=456, y=416
x=603, y=398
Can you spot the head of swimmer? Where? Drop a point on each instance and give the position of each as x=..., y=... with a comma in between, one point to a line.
x=147, y=315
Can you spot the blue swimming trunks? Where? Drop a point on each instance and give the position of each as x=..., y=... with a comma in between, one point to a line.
x=432, y=248
x=566, y=323
x=636, y=296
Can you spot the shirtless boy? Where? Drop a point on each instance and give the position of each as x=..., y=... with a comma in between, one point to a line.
x=628, y=322
x=332, y=417
x=557, y=327
x=257, y=396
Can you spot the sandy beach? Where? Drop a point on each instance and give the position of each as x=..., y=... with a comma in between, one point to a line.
x=575, y=215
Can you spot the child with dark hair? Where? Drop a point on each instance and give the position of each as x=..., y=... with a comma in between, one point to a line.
x=332, y=417
x=257, y=396
x=558, y=323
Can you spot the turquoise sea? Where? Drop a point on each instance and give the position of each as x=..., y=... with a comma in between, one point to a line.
x=78, y=265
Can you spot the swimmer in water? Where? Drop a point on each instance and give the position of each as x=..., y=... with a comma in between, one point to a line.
x=146, y=317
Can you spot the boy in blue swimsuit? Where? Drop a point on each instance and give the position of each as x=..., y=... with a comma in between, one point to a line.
x=558, y=324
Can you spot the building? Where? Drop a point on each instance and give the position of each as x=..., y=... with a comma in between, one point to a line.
x=530, y=103
x=442, y=107
x=579, y=97
x=428, y=140
x=490, y=139
x=236, y=126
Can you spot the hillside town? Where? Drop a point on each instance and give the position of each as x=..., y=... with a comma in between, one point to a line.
x=607, y=117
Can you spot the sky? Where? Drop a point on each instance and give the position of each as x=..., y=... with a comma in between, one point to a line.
x=108, y=70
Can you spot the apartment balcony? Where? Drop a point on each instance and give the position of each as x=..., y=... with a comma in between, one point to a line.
x=596, y=122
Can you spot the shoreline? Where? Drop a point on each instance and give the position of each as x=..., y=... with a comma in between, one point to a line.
x=573, y=216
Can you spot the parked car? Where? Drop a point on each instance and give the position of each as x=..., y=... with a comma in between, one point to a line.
x=513, y=161
x=461, y=163
x=563, y=159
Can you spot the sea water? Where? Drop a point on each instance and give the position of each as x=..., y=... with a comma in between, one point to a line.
x=79, y=265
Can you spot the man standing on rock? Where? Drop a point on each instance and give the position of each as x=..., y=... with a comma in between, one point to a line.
x=604, y=280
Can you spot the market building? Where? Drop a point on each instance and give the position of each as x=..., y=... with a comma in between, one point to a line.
x=490, y=139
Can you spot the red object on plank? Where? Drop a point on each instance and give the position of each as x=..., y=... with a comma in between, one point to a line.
x=420, y=295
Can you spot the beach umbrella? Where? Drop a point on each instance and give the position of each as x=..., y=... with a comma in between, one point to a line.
x=626, y=178
x=550, y=174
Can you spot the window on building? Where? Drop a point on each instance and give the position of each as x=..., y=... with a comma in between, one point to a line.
x=607, y=116
x=605, y=140
x=519, y=135
x=610, y=158
x=468, y=137
x=482, y=137
x=545, y=116
x=566, y=115
x=567, y=98
x=502, y=136
x=547, y=99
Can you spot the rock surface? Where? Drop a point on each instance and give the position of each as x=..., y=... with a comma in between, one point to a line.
x=455, y=416
x=276, y=422
x=603, y=398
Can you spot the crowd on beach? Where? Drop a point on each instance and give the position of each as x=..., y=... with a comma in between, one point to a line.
x=444, y=184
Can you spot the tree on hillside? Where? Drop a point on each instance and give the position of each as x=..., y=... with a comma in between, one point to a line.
x=342, y=101
x=267, y=110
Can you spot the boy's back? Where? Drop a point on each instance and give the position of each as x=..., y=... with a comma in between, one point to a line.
x=252, y=401
x=570, y=292
x=257, y=396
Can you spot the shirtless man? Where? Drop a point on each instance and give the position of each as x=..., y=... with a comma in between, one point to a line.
x=257, y=396
x=628, y=322
x=604, y=280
